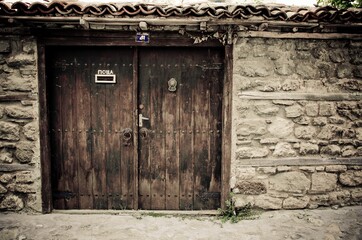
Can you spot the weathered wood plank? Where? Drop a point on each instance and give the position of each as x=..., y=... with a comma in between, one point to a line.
x=98, y=96
x=45, y=151
x=85, y=169
x=215, y=76
x=157, y=124
x=300, y=96
x=144, y=181
x=16, y=97
x=186, y=135
x=226, y=125
x=171, y=122
x=14, y=167
x=299, y=162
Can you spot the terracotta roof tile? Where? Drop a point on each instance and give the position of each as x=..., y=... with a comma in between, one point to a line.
x=323, y=14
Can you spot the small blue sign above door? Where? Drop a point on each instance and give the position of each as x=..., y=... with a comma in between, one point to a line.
x=143, y=37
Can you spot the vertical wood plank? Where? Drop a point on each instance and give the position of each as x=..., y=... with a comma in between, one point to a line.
x=135, y=177
x=214, y=74
x=55, y=75
x=85, y=171
x=201, y=111
x=44, y=129
x=98, y=139
x=226, y=127
x=171, y=122
x=186, y=134
x=113, y=119
x=144, y=184
x=157, y=126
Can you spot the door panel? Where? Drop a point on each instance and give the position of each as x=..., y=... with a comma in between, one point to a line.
x=179, y=144
x=91, y=161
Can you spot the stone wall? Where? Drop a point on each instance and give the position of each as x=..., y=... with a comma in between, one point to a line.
x=19, y=127
x=297, y=101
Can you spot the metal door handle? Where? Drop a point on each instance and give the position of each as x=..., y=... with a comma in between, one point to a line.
x=140, y=119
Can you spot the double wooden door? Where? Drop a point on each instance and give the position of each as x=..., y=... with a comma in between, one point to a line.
x=135, y=128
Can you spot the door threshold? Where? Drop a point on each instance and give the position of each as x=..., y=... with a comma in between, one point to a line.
x=140, y=212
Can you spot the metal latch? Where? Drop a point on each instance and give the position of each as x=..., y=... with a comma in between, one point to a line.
x=140, y=119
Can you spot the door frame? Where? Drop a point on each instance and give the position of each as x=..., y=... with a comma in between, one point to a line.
x=164, y=39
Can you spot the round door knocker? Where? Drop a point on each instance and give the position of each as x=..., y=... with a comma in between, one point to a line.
x=172, y=84
x=127, y=136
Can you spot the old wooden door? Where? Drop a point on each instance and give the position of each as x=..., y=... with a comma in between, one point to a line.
x=180, y=92
x=93, y=131
x=91, y=124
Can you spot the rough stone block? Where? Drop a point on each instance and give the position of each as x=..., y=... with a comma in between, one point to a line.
x=356, y=195
x=12, y=203
x=20, y=188
x=5, y=156
x=29, y=47
x=296, y=203
x=307, y=169
x=290, y=85
x=329, y=132
x=336, y=120
x=344, y=71
x=284, y=149
x=307, y=71
x=284, y=102
x=336, y=56
x=5, y=46
x=22, y=59
x=305, y=132
x=18, y=83
x=294, y=111
x=340, y=197
x=31, y=131
x=255, y=68
x=349, y=151
x=294, y=182
x=6, y=177
x=283, y=68
x=357, y=72
x=24, y=153
x=320, y=200
x=280, y=127
x=348, y=105
x=326, y=109
x=319, y=121
x=319, y=168
x=24, y=177
x=266, y=109
x=302, y=120
x=268, y=203
x=311, y=109
x=251, y=187
x=9, y=131
x=19, y=113
x=308, y=148
x=332, y=150
x=241, y=201
x=247, y=127
x=250, y=152
x=351, y=178
x=269, y=141
x=323, y=182
x=3, y=189
x=283, y=169
x=267, y=170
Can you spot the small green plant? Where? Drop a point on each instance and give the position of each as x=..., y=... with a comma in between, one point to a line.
x=234, y=214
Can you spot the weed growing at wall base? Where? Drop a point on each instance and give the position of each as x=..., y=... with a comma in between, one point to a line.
x=235, y=214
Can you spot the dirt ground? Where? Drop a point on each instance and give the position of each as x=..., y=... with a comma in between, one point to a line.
x=321, y=224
